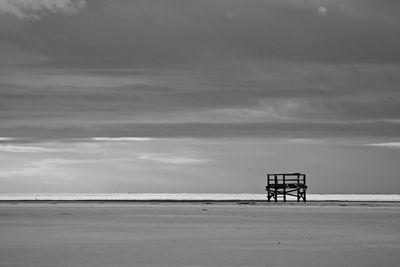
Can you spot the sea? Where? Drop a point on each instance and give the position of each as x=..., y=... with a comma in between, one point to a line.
x=188, y=197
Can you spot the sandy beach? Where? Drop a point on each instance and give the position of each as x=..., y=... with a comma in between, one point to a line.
x=199, y=234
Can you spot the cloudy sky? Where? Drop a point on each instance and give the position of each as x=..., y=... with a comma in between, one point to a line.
x=199, y=96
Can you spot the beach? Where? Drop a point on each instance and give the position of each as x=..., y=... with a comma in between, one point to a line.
x=199, y=233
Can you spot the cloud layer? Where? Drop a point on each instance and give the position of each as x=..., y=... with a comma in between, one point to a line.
x=142, y=33
x=253, y=99
x=387, y=145
x=36, y=9
x=23, y=149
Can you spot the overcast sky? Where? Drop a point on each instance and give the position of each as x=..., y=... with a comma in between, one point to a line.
x=212, y=94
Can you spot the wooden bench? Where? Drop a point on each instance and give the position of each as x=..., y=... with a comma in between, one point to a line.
x=286, y=184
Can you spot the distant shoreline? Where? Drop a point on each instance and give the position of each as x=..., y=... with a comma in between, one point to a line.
x=189, y=197
x=209, y=202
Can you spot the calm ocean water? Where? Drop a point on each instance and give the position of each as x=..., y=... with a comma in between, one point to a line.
x=176, y=197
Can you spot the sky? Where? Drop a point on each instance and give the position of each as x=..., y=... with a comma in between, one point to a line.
x=189, y=96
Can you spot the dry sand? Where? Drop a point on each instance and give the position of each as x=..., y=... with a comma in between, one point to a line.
x=199, y=234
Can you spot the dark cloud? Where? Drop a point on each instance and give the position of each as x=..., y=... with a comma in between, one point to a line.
x=218, y=62
x=59, y=131
x=202, y=102
x=155, y=32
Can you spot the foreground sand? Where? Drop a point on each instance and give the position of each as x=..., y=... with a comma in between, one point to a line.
x=199, y=234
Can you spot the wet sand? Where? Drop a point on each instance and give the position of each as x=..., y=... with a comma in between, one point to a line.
x=199, y=234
